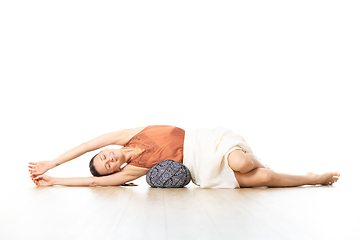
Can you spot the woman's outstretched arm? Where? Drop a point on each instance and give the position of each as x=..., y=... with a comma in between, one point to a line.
x=113, y=138
x=129, y=173
x=37, y=168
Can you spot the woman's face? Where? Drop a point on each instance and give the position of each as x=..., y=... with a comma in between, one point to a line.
x=108, y=161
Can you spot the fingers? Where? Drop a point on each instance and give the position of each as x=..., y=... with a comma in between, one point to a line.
x=36, y=177
x=36, y=170
x=38, y=183
x=33, y=171
x=33, y=179
x=37, y=180
x=33, y=176
x=38, y=167
x=33, y=168
x=32, y=165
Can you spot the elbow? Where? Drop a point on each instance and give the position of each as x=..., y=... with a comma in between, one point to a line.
x=98, y=181
x=85, y=147
x=93, y=182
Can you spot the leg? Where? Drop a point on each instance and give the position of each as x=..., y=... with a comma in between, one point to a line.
x=242, y=162
x=265, y=177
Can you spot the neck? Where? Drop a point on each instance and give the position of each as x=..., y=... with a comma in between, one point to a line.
x=127, y=153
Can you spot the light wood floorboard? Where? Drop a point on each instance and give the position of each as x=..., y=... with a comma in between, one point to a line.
x=320, y=212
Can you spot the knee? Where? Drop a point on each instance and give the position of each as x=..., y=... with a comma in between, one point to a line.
x=243, y=166
x=267, y=177
x=239, y=162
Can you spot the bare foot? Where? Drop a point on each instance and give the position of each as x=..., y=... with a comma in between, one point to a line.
x=328, y=178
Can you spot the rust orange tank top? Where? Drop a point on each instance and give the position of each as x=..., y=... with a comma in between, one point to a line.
x=158, y=143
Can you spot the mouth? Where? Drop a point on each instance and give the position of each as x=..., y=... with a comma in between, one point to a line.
x=115, y=157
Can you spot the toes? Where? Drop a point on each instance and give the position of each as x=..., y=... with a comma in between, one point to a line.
x=334, y=180
x=331, y=178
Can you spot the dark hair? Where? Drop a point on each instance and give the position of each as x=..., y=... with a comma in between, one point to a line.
x=93, y=170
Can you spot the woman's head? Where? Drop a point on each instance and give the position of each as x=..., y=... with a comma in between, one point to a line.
x=106, y=162
x=93, y=170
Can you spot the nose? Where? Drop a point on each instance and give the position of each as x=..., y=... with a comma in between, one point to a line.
x=110, y=158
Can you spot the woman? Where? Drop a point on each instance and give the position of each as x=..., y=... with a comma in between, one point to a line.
x=217, y=158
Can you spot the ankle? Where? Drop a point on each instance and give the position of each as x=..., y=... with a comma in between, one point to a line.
x=313, y=178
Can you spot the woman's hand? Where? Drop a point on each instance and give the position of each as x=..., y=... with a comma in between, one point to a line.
x=42, y=180
x=38, y=168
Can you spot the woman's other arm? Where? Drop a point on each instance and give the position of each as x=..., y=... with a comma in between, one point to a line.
x=129, y=173
x=113, y=138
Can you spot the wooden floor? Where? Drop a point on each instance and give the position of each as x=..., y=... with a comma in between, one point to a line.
x=319, y=212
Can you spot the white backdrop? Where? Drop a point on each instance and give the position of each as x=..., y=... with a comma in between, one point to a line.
x=283, y=74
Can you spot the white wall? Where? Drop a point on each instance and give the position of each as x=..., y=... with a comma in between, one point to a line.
x=283, y=74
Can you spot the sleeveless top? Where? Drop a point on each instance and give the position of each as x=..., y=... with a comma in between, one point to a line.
x=158, y=143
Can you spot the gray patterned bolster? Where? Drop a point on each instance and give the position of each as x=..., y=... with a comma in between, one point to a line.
x=168, y=174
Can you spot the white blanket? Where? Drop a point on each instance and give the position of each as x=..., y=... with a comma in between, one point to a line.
x=204, y=151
